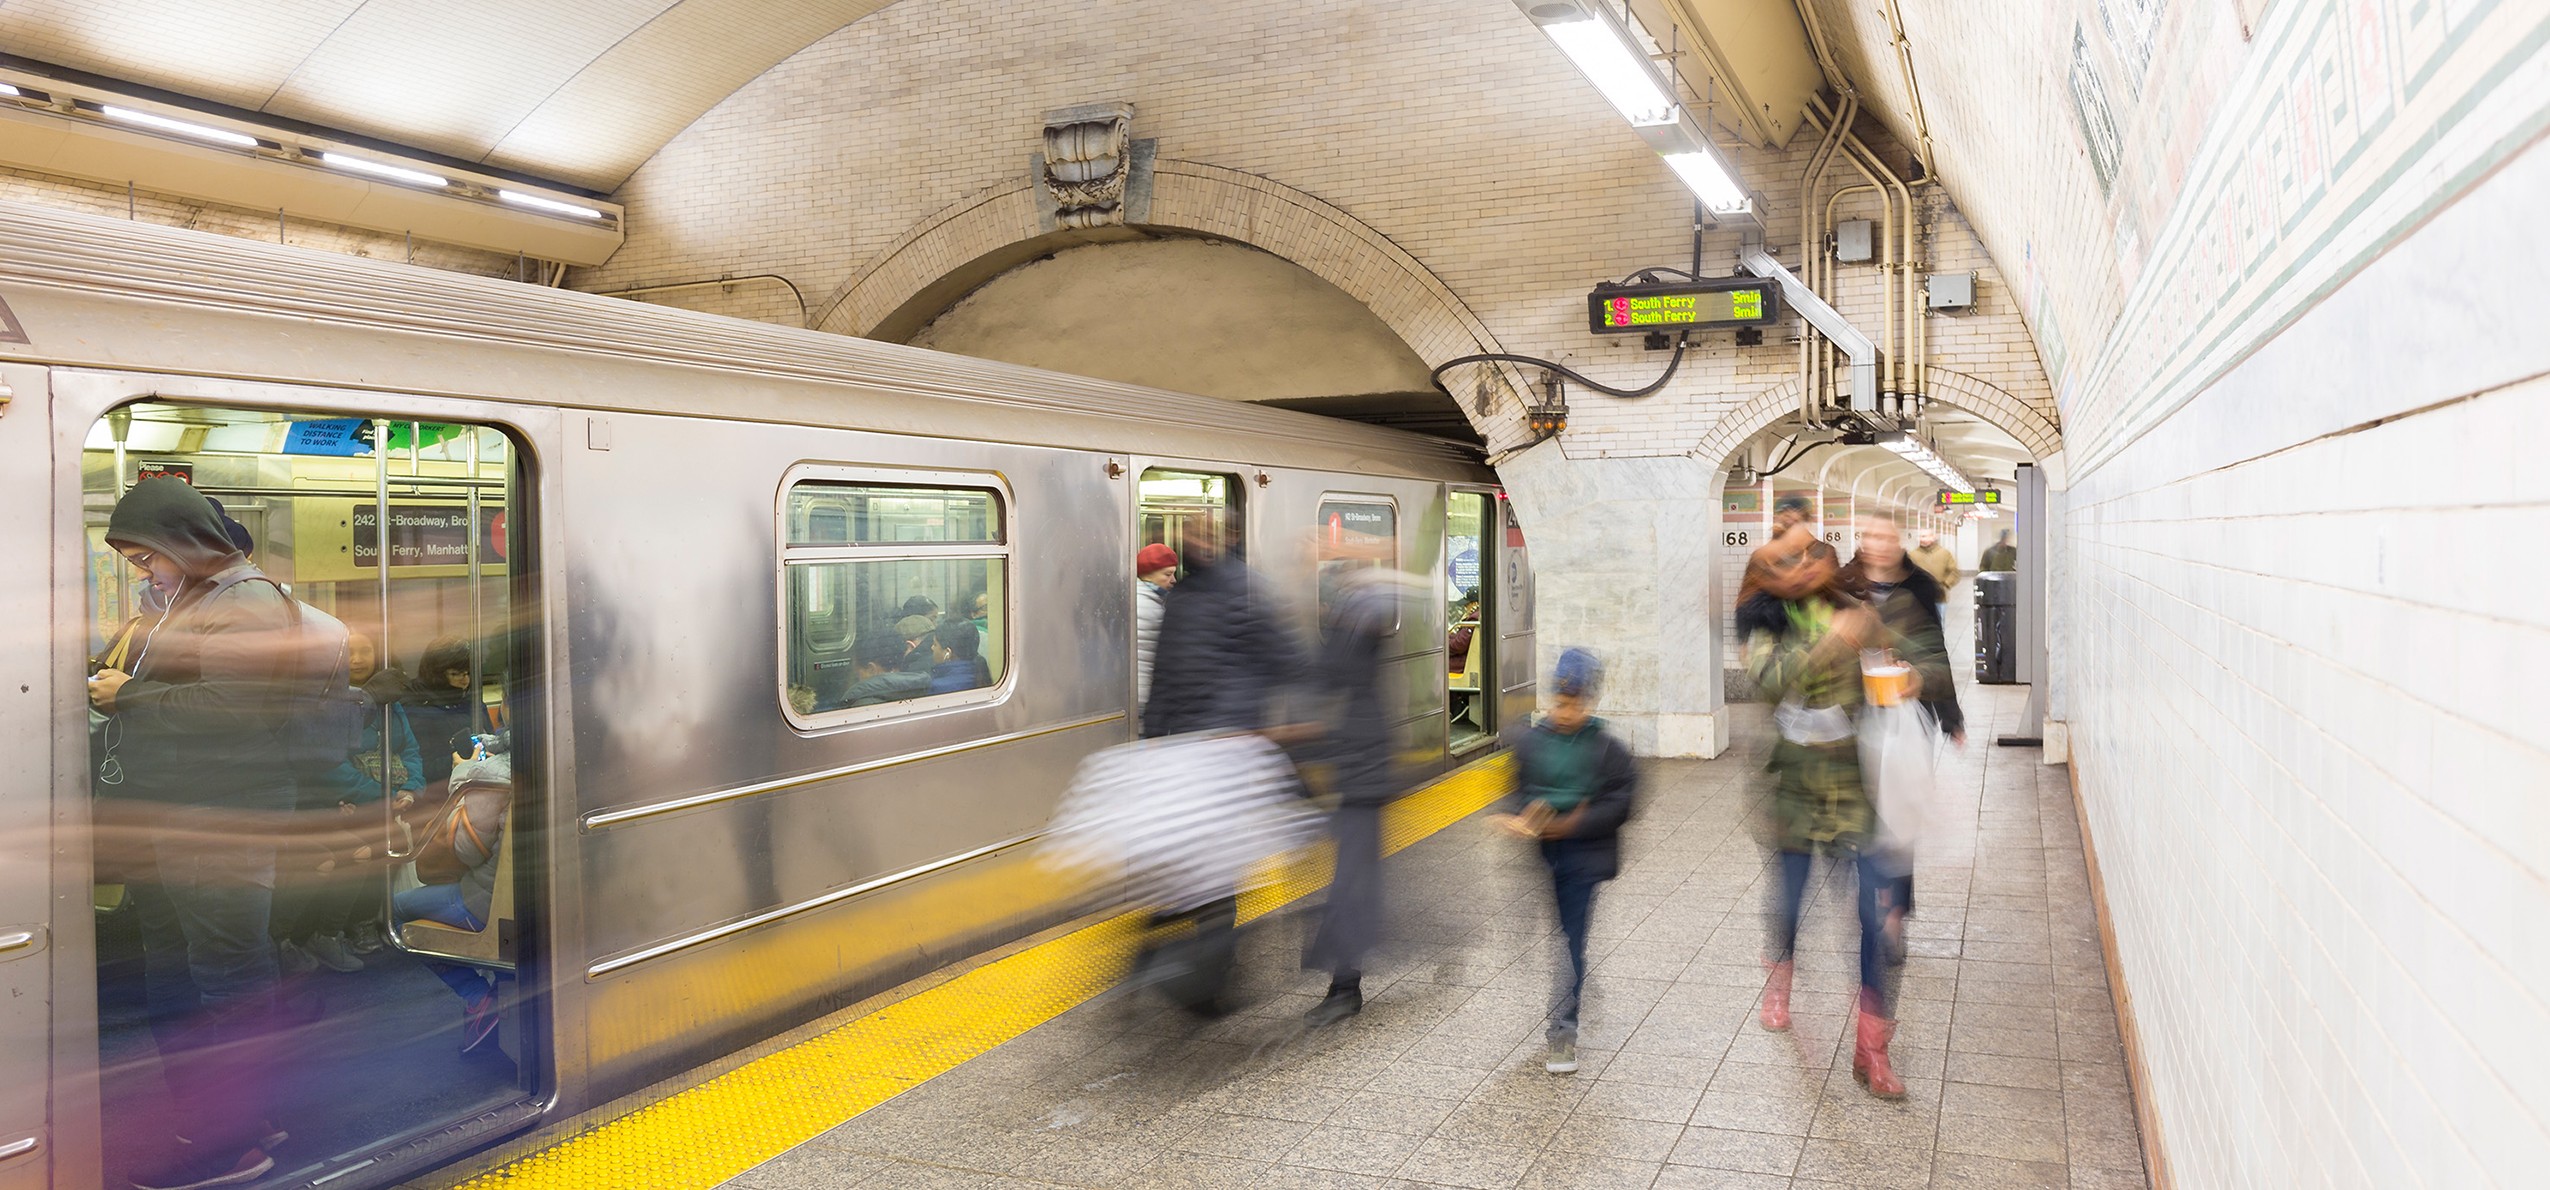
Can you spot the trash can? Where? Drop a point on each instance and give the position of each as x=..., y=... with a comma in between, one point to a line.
x=1996, y=627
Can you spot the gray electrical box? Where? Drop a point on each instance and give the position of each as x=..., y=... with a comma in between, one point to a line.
x=1853, y=240
x=1951, y=291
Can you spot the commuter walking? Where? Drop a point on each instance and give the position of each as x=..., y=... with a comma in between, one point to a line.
x=1575, y=785
x=1937, y=561
x=1906, y=599
x=1155, y=570
x=2001, y=555
x=1356, y=625
x=192, y=737
x=1811, y=675
x=1223, y=653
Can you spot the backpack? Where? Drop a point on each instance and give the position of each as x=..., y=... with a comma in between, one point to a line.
x=465, y=832
x=321, y=711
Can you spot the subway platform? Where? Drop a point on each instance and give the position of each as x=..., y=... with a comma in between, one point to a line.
x=2008, y=1041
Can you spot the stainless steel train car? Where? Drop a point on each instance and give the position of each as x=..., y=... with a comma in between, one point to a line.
x=650, y=544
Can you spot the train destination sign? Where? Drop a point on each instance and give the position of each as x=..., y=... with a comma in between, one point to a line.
x=1986, y=496
x=1682, y=305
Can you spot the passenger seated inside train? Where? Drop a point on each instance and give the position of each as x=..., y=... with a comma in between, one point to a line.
x=877, y=674
x=915, y=631
x=456, y=870
x=957, y=647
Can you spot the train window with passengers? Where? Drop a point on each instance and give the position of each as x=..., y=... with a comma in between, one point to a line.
x=896, y=591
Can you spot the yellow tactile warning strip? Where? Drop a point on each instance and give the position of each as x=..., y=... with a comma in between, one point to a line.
x=729, y=1124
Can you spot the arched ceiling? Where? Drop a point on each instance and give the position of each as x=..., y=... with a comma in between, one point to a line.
x=577, y=91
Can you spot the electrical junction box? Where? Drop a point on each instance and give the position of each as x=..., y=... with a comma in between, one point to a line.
x=1854, y=241
x=1950, y=291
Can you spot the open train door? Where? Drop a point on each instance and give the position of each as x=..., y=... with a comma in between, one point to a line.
x=1517, y=663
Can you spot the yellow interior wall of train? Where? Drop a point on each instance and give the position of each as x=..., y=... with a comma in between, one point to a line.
x=710, y=1133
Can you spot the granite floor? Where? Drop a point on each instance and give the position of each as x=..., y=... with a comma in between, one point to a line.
x=2008, y=1039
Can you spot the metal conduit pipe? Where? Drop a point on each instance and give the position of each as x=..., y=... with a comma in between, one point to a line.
x=1818, y=263
x=1900, y=356
x=1906, y=388
x=1810, y=240
x=1886, y=277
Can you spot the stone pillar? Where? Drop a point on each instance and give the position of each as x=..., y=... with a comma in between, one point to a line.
x=1623, y=553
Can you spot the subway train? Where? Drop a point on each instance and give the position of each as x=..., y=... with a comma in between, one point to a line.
x=659, y=551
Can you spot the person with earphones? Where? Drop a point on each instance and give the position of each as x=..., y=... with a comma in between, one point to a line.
x=189, y=748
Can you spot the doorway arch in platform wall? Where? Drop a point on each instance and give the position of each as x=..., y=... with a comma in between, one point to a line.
x=2031, y=426
x=948, y=255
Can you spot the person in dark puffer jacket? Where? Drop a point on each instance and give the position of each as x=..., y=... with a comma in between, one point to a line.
x=1223, y=651
x=192, y=753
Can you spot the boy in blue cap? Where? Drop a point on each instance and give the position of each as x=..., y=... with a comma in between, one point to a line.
x=1575, y=784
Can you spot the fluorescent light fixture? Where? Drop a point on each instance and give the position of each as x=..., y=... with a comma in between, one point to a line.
x=1701, y=170
x=413, y=177
x=1610, y=59
x=550, y=205
x=1923, y=457
x=6, y=89
x=224, y=136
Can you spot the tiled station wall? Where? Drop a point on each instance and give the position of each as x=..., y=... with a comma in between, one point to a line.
x=2306, y=629
x=2285, y=264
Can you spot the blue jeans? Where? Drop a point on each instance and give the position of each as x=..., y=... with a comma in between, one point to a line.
x=209, y=970
x=1794, y=866
x=442, y=905
x=1573, y=890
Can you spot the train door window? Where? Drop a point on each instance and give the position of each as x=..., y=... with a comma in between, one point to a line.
x=1355, y=535
x=1187, y=510
x=283, y=947
x=895, y=594
x=1470, y=645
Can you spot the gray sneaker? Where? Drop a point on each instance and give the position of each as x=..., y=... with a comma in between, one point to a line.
x=332, y=954
x=1562, y=1054
x=293, y=959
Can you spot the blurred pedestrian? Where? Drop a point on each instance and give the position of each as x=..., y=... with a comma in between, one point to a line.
x=1811, y=675
x=1937, y=561
x=2003, y=554
x=1223, y=654
x=1906, y=599
x=193, y=734
x=1575, y=785
x=1356, y=744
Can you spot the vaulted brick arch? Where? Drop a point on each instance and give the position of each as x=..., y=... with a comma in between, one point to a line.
x=2021, y=420
x=967, y=242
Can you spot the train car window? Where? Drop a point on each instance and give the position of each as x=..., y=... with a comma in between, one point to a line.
x=896, y=597
x=1355, y=533
x=240, y=560
x=1180, y=508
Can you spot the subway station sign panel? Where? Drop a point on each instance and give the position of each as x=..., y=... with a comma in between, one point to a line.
x=1682, y=305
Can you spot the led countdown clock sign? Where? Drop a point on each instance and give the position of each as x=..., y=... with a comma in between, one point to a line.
x=1986, y=496
x=1681, y=305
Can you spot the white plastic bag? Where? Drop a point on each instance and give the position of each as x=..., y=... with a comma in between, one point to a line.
x=1174, y=823
x=1895, y=749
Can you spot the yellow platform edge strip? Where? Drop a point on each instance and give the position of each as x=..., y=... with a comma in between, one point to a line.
x=700, y=1137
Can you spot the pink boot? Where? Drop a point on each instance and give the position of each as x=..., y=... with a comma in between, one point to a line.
x=1775, y=996
x=1869, y=1062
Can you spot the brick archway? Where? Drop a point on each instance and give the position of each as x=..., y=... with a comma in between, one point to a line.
x=947, y=254
x=2014, y=416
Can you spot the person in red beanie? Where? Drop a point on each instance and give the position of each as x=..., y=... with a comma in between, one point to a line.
x=1155, y=570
